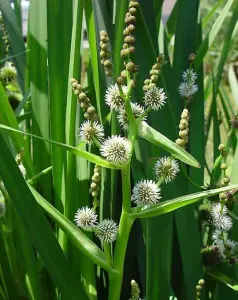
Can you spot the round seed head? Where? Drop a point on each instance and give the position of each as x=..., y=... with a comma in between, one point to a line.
x=223, y=166
x=107, y=231
x=8, y=73
x=137, y=110
x=189, y=75
x=132, y=11
x=82, y=96
x=132, y=49
x=131, y=28
x=2, y=209
x=166, y=167
x=130, y=66
x=85, y=218
x=221, y=147
x=147, y=82
x=113, y=98
x=222, y=196
x=91, y=129
x=155, y=98
x=187, y=89
x=154, y=78
x=145, y=193
x=107, y=63
x=126, y=31
x=180, y=142
x=219, y=216
x=116, y=149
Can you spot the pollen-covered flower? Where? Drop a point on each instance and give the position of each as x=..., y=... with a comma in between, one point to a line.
x=137, y=110
x=91, y=129
x=85, y=218
x=145, y=193
x=187, y=89
x=107, y=231
x=113, y=98
x=155, y=98
x=2, y=209
x=8, y=73
x=166, y=167
x=217, y=235
x=116, y=149
x=22, y=169
x=219, y=216
x=189, y=75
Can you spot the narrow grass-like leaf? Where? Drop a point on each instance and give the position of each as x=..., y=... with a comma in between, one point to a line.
x=89, y=156
x=81, y=241
x=153, y=136
x=170, y=205
x=15, y=38
x=208, y=40
x=37, y=58
x=37, y=227
x=233, y=84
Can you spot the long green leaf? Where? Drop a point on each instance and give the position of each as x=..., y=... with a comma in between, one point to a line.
x=170, y=205
x=89, y=156
x=37, y=227
x=81, y=241
x=15, y=38
x=207, y=42
x=153, y=136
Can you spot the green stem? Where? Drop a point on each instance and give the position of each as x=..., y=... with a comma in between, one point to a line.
x=37, y=176
x=115, y=279
x=107, y=250
x=126, y=188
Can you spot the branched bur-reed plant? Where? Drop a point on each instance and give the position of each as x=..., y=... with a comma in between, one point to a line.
x=142, y=198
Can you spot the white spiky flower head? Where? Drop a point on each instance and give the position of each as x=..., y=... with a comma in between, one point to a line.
x=219, y=216
x=91, y=129
x=8, y=73
x=166, y=167
x=145, y=193
x=217, y=235
x=137, y=110
x=22, y=169
x=85, y=218
x=107, y=231
x=189, y=75
x=113, y=98
x=116, y=149
x=2, y=209
x=187, y=89
x=155, y=98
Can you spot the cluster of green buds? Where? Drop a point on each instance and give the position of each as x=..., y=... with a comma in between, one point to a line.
x=4, y=35
x=95, y=184
x=128, y=47
x=135, y=291
x=183, y=129
x=105, y=54
x=8, y=74
x=223, y=152
x=88, y=108
x=199, y=287
x=154, y=73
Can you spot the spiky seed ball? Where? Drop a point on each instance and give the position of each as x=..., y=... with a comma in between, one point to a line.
x=155, y=98
x=85, y=218
x=116, y=149
x=187, y=89
x=166, y=167
x=189, y=75
x=107, y=231
x=113, y=98
x=91, y=129
x=145, y=193
x=2, y=209
x=8, y=73
x=137, y=110
x=220, y=220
